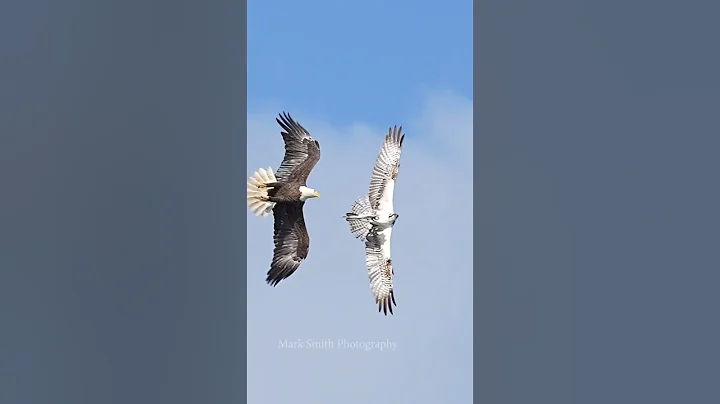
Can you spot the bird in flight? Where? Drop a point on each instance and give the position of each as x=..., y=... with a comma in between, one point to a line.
x=372, y=217
x=284, y=194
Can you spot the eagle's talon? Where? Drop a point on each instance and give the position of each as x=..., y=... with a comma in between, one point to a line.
x=262, y=185
x=264, y=198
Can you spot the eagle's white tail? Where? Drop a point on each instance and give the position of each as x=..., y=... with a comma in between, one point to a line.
x=359, y=218
x=258, y=206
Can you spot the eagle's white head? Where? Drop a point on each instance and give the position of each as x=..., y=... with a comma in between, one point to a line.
x=307, y=193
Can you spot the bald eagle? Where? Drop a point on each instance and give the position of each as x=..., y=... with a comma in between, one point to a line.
x=284, y=193
x=372, y=217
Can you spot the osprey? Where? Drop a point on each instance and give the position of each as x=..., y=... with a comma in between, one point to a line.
x=372, y=217
x=284, y=193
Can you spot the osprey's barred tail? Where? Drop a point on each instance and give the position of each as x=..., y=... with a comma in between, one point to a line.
x=255, y=193
x=359, y=218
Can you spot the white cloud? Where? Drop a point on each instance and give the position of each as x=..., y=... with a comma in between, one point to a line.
x=328, y=298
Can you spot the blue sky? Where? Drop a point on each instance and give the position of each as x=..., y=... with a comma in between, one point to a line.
x=367, y=60
x=347, y=72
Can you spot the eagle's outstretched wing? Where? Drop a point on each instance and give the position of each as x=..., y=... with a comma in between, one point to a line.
x=292, y=241
x=302, y=151
x=386, y=169
x=380, y=270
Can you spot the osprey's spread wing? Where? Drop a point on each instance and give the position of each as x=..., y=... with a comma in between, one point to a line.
x=380, y=270
x=302, y=152
x=292, y=241
x=386, y=169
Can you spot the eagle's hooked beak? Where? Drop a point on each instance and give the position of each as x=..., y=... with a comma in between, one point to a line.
x=317, y=195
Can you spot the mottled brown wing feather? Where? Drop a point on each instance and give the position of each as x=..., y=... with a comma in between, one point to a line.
x=291, y=241
x=302, y=151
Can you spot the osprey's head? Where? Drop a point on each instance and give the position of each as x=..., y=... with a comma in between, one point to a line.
x=393, y=217
x=307, y=193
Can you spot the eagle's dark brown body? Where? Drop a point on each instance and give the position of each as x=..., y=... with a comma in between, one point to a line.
x=284, y=192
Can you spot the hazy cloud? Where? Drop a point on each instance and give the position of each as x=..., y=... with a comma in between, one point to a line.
x=424, y=352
